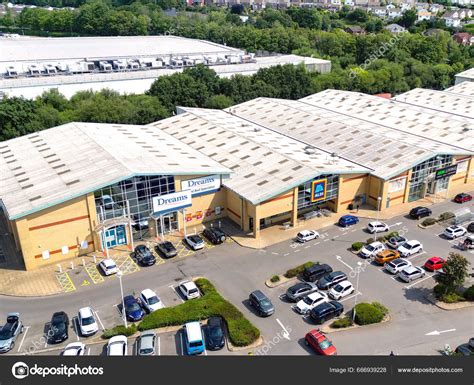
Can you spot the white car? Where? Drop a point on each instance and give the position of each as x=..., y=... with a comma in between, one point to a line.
x=377, y=227
x=195, y=242
x=86, y=320
x=150, y=301
x=310, y=301
x=397, y=265
x=189, y=289
x=341, y=290
x=108, y=266
x=117, y=346
x=453, y=232
x=74, y=349
x=411, y=273
x=372, y=249
x=410, y=248
x=306, y=235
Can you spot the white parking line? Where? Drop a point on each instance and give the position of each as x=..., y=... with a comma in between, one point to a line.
x=25, y=330
x=336, y=236
x=88, y=351
x=159, y=346
x=307, y=247
x=353, y=231
x=350, y=297
x=286, y=254
x=274, y=253
x=418, y=281
x=316, y=243
x=326, y=240
x=98, y=319
x=297, y=251
x=173, y=289
x=181, y=346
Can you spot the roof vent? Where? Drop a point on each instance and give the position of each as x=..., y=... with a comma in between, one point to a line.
x=309, y=150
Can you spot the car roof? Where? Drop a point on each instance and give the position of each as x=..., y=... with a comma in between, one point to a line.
x=109, y=262
x=146, y=340
x=398, y=261
x=436, y=259
x=348, y=216
x=315, y=295
x=119, y=338
x=129, y=298
x=376, y=243
x=85, y=312
x=345, y=283
x=317, y=334
x=148, y=293
x=374, y=223
x=188, y=284
x=305, y=232
x=412, y=242
x=259, y=294
x=410, y=269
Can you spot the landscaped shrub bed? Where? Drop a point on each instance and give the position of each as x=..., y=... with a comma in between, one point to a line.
x=356, y=246
x=342, y=323
x=298, y=270
x=120, y=330
x=241, y=331
x=369, y=313
x=469, y=293
x=428, y=222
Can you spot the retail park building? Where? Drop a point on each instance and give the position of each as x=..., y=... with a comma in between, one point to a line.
x=81, y=187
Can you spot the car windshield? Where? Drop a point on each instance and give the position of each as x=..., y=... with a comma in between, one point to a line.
x=111, y=266
x=406, y=245
x=325, y=344
x=153, y=300
x=195, y=239
x=338, y=288
x=88, y=321
x=195, y=344
x=192, y=291
x=58, y=327
x=265, y=302
x=146, y=351
x=308, y=301
x=6, y=334
x=370, y=248
x=215, y=332
x=168, y=246
x=132, y=306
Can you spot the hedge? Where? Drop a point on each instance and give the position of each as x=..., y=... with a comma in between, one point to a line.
x=369, y=313
x=342, y=323
x=298, y=269
x=445, y=216
x=452, y=298
x=373, y=239
x=391, y=234
x=120, y=330
x=469, y=293
x=356, y=246
x=275, y=278
x=241, y=331
x=428, y=221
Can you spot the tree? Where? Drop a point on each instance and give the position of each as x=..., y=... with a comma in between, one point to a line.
x=455, y=272
x=237, y=9
x=357, y=15
x=408, y=18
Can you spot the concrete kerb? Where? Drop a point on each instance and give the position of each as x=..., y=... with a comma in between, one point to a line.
x=282, y=281
x=448, y=306
x=327, y=329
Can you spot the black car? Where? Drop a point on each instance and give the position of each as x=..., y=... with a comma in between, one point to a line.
x=215, y=336
x=316, y=271
x=214, y=235
x=470, y=228
x=331, y=279
x=261, y=303
x=58, y=328
x=143, y=256
x=325, y=311
x=420, y=212
x=167, y=249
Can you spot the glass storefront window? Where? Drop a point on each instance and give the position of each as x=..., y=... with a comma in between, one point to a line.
x=304, y=191
x=422, y=172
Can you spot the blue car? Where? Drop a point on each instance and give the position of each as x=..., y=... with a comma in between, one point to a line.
x=133, y=310
x=348, y=220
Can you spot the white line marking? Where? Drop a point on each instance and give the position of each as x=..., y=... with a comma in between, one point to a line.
x=98, y=319
x=286, y=254
x=418, y=281
x=307, y=247
x=326, y=240
x=316, y=243
x=181, y=343
x=350, y=297
x=46, y=341
x=274, y=253
x=88, y=351
x=336, y=236
x=353, y=231
x=285, y=333
x=437, y=333
x=340, y=260
x=159, y=346
x=23, y=339
x=297, y=251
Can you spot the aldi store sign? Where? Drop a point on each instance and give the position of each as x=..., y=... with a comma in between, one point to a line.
x=204, y=185
x=171, y=202
x=318, y=190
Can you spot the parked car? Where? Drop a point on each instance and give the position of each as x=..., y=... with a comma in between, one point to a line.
x=466, y=349
x=348, y=220
x=341, y=290
x=108, y=266
x=132, y=308
x=215, y=336
x=195, y=242
x=189, y=290
x=143, y=256
x=74, y=349
x=305, y=305
x=320, y=343
x=377, y=227
x=396, y=241
x=455, y=231
x=300, y=290
x=150, y=301
x=434, y=263
x=261, y=303
x=10, y=332
x=371, y=249
x=326, y=311
x=386, y=256
x=397, y=265
x=215, y=235
x=462, y=197
x=146, y=343
x=420, y=212
x=117, y=346
x=411, y=273
x=316, y=271
x=306, y=235
x=86, y=320
x=410, y=248
x=167, y=249
x=331, y=279
x=470, y=228
x=193, y=338
x=58, y=327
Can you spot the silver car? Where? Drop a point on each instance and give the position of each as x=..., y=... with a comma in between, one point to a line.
x=411, y=273
x=300, y=290
x=195, y=242
x=146, y=344
x=10, y=332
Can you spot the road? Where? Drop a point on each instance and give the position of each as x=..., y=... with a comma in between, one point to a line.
x=236, y=271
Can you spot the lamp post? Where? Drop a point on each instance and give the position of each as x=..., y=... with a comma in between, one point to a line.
x=359, y=264
x=124, y=317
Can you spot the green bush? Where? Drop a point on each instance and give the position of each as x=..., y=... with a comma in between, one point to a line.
x=356, y=246
x=342, y=323
x=439, y=290
x=445, y=216
x=275, y=278
x=381, y=307
x=241, y=331
x=469, y=293
x=120, y=330
x=298, y=269
x=391, y=234
x=452, y=298
x=428, y=221
x=369, y=313
x=373, y=239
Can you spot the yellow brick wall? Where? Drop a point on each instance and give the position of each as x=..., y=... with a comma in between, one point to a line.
x=350, y=186
x=460, y=177
x=234, y=206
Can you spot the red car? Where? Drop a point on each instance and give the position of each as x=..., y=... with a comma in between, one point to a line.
x=463, y=197
x=320, y=343
x=434, y=263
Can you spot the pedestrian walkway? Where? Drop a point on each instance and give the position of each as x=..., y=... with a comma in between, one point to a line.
x=37, y=283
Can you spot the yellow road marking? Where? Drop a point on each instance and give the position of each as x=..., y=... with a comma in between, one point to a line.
x=93, y=273
x=65, y=282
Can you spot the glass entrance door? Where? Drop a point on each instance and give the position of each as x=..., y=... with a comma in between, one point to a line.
x=168, y=223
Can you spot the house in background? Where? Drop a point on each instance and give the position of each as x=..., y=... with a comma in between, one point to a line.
x=395, y=28
x=464, y=38
x=355, y=30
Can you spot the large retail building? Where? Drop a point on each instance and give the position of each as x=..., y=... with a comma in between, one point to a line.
x=80, y=187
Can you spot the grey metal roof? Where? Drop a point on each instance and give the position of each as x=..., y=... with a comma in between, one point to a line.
x=55, y=165
x=468, y=74
x=464, y=88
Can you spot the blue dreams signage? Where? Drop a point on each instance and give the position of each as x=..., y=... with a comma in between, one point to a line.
x=171, y=202
x=202, y=185
x=318, y=190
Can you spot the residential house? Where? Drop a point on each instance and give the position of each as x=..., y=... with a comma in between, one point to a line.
x=378, y=11
x=423, y=15
x=452, y=18
x=394, y=12
x=395, y=28
x=464, y=38
x=436, y=8
x=355, y=30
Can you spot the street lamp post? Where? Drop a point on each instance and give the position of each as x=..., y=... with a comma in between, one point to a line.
x=124, y=317
x=359, y=264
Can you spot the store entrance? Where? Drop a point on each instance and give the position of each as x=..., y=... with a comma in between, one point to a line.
x=168, y=223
